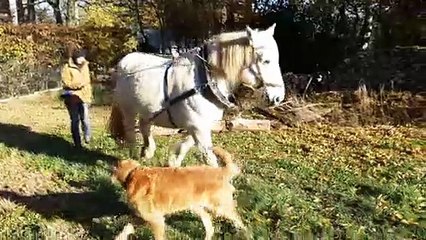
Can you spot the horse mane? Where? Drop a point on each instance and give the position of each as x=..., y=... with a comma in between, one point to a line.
x=229, y=53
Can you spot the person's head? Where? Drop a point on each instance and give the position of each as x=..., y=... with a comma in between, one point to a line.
x=75, y=52
x=79, y=56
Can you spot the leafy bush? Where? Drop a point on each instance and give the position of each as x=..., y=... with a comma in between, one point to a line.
x=20, y=77
x=31, y=54
x=45, y=42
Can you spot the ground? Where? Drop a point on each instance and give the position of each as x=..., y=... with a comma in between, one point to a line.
x=307, y=181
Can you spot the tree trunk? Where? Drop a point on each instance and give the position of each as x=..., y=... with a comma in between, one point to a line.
x=31, y=17
x=13, y=11
x=21, y=11
x=163, y=47
x=70, y=18
x=139, y=20
x=58, y=16
x=56, y=10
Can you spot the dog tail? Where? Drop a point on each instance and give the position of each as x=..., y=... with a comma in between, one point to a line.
x=226, y=157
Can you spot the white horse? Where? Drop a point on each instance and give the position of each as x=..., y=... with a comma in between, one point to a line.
x=192, y=91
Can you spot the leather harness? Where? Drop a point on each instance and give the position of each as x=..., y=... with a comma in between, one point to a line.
x=208, y=88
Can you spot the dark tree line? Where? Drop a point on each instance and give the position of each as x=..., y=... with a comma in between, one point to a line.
x=312, y=35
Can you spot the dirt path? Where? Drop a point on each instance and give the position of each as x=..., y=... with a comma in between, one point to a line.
x=44, y=113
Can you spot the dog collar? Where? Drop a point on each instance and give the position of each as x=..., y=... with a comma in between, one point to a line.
x=129, y=177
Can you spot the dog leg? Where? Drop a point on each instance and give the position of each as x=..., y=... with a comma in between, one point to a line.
x=148, y=140
x=231, y=214
x=179, y=151
x=156, y=221
x=207, y=222
x=203, y=140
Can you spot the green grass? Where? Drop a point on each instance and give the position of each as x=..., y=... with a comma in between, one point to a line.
x=306, y=182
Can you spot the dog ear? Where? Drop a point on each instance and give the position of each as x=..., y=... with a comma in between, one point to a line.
x=142, y=185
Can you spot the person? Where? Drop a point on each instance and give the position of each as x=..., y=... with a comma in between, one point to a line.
x=77, y=94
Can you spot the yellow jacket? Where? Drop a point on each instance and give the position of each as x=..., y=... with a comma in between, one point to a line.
x=77, y=80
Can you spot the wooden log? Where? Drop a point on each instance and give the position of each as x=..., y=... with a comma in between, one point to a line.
x=239, y=124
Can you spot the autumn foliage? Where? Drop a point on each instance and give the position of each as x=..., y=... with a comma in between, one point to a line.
x=46, y=43
x=30, y=54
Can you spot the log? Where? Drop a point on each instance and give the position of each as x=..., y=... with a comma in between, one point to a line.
x=239, y=124
x=242, y=124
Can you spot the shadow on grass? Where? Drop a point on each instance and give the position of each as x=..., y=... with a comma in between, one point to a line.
x=99, y=211
x=79, y=207
x=85, y=208
x=23, y=138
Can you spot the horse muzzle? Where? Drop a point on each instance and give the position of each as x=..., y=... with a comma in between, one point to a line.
x=274, y=96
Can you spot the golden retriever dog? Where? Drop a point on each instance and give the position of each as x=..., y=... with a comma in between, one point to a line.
x=157, y=191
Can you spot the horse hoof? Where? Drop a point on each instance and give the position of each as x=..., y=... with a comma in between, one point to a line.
x=147, y=153
x=172, y=161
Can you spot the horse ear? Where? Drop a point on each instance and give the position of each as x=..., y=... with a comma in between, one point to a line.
x=250, y=34
x=271, y=29
x=249, y=31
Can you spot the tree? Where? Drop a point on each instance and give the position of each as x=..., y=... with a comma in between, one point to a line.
x=21, y=11
x=13, y=11
x=31, y=17
x=71, y=12
x=55, y=4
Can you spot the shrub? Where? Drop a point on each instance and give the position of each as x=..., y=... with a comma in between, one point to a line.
x=31, y=54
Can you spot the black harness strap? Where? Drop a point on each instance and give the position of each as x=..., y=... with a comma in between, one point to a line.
x=177, y=99
x=204, y=51
x=206, y=85
x=166, y=95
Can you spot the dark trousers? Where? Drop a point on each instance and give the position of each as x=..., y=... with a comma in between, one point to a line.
x=79, y=112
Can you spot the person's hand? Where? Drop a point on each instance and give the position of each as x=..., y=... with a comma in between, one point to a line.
x=74, y=88
x=80, y=86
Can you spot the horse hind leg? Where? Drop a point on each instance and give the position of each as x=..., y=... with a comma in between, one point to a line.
x=148, y=140
x=129, y=124
x=121, y=126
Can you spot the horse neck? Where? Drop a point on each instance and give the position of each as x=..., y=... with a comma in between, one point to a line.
x=226, y=87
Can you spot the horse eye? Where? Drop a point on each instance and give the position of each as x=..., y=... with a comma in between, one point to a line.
x=266, y=62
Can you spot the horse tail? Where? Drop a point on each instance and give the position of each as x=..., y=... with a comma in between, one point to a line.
x=115, y=123
x=227, y=158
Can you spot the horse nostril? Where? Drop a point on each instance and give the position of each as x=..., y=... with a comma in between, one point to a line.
x=277, y=100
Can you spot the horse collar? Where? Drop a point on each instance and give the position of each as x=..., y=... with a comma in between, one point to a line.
x=227, y=101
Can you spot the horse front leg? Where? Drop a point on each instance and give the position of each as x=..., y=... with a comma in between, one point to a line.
x=149, y=146
x=203, y=140
x=179, y=150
